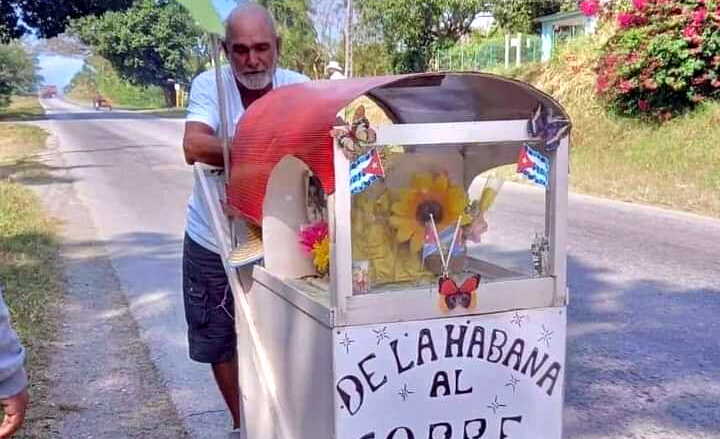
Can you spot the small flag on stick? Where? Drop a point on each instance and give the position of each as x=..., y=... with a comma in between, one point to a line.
x=365, y=171
x=533, y=165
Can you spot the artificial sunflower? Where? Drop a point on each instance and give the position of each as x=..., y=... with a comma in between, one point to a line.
x=428, y=194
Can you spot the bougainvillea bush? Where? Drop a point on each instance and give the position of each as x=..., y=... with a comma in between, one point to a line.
x=664, y=58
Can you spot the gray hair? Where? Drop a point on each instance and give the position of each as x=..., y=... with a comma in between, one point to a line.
x=249, y=7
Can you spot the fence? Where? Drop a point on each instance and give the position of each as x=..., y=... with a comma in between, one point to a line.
x=489, y=53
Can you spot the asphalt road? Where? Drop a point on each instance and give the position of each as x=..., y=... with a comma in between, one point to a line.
x=643, y=335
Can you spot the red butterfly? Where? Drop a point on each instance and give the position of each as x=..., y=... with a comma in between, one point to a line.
x=455, y=295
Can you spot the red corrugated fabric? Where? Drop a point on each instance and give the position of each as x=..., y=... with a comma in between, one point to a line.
x=293, y=120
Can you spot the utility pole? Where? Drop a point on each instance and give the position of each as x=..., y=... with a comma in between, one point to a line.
x=348, y=39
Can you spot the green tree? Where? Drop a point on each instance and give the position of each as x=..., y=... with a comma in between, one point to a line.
x=520, y=15
x=49, y=18
x=413, y=30
x=18, y=72
x=300, y=48
x=148, y=44
x=10, y=28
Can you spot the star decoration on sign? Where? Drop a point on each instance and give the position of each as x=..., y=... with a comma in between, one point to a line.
x=546, y=336
x=346, y=341
x=405, y=392
x=512, y=383
x=496, y=405
x=518, y=319
x=381, y=334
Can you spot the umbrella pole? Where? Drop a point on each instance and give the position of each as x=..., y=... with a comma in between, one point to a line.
x=224, y=123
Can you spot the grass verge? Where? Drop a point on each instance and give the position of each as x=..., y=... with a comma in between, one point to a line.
x=22, y=108
x=29, y=270
x=674, y=164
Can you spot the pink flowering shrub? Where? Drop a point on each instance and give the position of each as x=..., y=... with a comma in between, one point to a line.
x=590, y=7
x=664, y=58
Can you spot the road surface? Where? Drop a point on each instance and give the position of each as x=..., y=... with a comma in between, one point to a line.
x=643, y=336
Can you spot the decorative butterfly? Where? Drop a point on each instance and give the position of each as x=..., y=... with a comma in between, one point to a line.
x=546, y=127
x=355, y=138
x=454, y=296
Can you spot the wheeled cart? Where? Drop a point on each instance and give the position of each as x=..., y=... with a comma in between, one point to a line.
x=402, y=294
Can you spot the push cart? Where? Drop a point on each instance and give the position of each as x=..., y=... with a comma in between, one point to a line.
x=397, y=297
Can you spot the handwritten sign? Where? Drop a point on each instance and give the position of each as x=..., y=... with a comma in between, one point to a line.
x=497, y=376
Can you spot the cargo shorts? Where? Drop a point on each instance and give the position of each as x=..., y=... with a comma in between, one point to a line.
x=209, y=305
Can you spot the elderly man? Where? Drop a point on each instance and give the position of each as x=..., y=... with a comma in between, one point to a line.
x=252, y=46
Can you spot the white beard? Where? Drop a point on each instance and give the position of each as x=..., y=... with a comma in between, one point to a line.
x=255, y=81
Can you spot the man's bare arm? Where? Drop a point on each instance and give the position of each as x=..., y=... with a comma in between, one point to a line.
x=201, y=145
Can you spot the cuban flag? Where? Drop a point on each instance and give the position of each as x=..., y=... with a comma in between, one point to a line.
x=533, y=165
x=446, y=237
x=365, y=171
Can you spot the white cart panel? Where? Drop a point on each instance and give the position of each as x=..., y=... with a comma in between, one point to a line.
x=493, y=376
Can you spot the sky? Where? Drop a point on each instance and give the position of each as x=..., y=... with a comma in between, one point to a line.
x=224, y=7
x=59, y=70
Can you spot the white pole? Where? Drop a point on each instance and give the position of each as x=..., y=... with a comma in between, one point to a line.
x=224, y=124
x=223, y=134
x=507, y=51
x=519, y=49
x=348, y=40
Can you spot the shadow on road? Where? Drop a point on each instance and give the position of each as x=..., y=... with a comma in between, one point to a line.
x=33, y=172
x=641, y=354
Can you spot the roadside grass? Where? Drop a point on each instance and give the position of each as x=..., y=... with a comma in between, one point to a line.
x=18, y=141
x=675, y=164
x=22, y=108
x=29, y=270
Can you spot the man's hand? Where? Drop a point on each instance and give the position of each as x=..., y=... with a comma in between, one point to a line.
x=201, y=145
x=14, y=408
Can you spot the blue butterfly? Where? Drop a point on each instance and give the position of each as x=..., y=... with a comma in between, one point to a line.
x=547, y=128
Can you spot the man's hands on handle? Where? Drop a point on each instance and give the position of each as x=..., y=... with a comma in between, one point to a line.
x=14, y=408
x=201, y=145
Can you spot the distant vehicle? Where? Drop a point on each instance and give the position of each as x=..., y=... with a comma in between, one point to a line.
x=101, y=102
x=49, y=91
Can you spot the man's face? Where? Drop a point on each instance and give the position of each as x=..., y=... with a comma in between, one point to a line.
x=252, y=47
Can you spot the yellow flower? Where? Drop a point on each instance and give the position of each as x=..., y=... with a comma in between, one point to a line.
x=428, y=194
x=321, y=255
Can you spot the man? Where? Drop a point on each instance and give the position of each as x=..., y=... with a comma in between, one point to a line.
x=13, y=380
x=252, y=47
x=334, y=70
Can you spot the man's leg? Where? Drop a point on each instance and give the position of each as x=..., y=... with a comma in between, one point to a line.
x=209, y=311
x=226, y=377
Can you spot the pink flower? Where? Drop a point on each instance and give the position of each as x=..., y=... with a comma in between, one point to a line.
x=639, y=4
x=312, y=234
x=625, y=20
x=590, y=7
x=625, y=86
x=690, y=32
x=643, y=105
x=602, y=84
x=699, y=15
